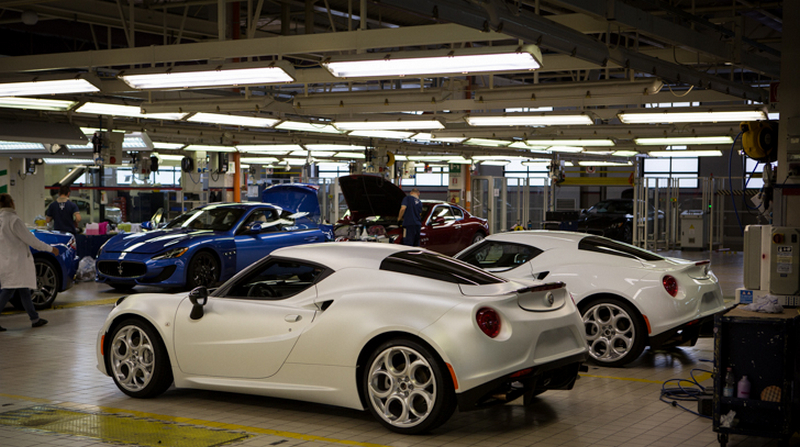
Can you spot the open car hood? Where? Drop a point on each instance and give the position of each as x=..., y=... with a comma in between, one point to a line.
x=370, y=195
x=295, y=198
x=154, y=241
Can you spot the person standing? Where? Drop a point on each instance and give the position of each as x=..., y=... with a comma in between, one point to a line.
x=63, y=212
x=17, y=270
x=411, y=217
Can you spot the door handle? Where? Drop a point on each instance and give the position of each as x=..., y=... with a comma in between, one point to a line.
x=458, y=226
x=311, y=238
x=292, y=318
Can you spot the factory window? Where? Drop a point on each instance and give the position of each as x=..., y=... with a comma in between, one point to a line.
x=683, y=168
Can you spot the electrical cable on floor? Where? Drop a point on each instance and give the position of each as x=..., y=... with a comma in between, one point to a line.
x=675, y=395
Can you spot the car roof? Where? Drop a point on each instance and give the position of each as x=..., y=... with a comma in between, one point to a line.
x=543, y=239
x=341, y=255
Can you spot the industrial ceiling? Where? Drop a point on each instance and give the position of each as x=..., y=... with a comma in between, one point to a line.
x=598, y=58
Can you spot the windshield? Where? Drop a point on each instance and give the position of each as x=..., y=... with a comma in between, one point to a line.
x=214, y=218
x=612, y=207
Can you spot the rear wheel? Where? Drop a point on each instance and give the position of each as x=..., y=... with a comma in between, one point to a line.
x=407, y=388
x=137, y=360
x=615, y=333
x=478, y=237
x=203, y=270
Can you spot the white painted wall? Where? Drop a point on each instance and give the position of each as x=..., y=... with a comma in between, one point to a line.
x=28, y=190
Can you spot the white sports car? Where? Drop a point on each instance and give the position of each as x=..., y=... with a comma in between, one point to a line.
x=404, y=332
x=629, y=297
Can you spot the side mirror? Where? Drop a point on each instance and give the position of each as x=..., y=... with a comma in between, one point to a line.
x=199, y=297
x=147, y=225
x=255, y=228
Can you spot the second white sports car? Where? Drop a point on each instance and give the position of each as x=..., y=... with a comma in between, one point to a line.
x=629, y=297
x=404, y=332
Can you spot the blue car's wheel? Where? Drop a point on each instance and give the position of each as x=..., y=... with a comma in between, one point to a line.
x=203, y=270
x=46, y=284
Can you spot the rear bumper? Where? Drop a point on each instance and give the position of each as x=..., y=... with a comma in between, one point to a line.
x=687, y=333
x=560, y=374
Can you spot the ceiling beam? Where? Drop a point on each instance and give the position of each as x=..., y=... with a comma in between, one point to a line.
x=265, y=46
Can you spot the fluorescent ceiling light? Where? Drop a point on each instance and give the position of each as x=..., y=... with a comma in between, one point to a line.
x=497, y=157
x=382, y=134
x=50, y=105
x=537, y=163
x=258, y=160
x=232, y=120
x=692, y=117
x=603, y=163
x=435, y=157
x=682, y=154
x=591, y=151
x=495, y=162
x=308, y=127
x=334, y=147
x=172, y=146
x=487, y=142
x=389, y=125
x=20, y=146
x=300, y=153
x=92, y=130
x=400, y=158
x=570, y=149
x=456, y=61
x=47, y=87
x=428, y=137
x=323, y=154
x=626, y=153
x=68, y=161
x=523, y=145
x=224, y=76
x=601, y=142
x=169, y=157
x=353, y=155
x=530, y=120
x=689, y=141
x=268, y=148
x=200, y=147
x=295, y=161
x=99, y=108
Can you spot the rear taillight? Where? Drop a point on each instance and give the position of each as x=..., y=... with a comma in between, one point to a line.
x=670, y=285
x=488, y=321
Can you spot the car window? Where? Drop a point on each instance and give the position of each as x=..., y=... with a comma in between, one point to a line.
x=443, y=212
x=216, y=218
x=266, y=217
x=614, y=248
x=457, y=213
x=439, y=267
x=276, y=279
x=500, y=255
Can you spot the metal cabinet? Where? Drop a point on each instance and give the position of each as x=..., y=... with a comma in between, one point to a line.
x=763, y=347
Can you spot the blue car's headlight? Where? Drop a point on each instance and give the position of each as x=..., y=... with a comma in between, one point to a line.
x=174, y=253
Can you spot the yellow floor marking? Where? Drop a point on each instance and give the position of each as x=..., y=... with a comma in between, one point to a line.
x=185, y=420
x=68, y=305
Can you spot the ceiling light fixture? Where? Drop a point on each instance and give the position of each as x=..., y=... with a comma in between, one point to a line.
x=437, y=62
x=530, y=120
x=334, y=147
x=201, y=147
x=569, y=149
x=20, y=146
x=268, y=148
x=692, y=117
x=169, y=157
x=427, y=137
x=232, y=75
x=601, y=142
x=487, y=142
x=351, y=155
x=99, y=108
x=68, y=161
x=393, y=134
x=624, y=153
x=42, y=86
x=308, y=127
x=688, y=141
x=685, y=154
x=380, y=125
x=232, y=120
x=168, y=146
x=49, y=105
x=603, y=163
x=259, y=160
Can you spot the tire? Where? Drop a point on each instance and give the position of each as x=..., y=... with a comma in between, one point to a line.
x=137, y=359
x=203, y=270
x=406, y=387
x=47, y=281
x=478, y=237
x=615, y=332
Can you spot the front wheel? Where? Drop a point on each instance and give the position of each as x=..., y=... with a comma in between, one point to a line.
x=137, y=360
x=478, y=237
x=203, y=270
x=615, y=333
x=406, y=387
x=46, y=284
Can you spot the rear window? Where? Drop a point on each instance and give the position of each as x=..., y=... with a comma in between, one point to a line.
x=610, y=247
x=439, y=267
x=499, y=255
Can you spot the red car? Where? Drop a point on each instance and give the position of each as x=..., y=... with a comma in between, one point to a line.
x=374, y=204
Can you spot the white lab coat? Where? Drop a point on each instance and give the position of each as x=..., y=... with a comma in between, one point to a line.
x=17, y=270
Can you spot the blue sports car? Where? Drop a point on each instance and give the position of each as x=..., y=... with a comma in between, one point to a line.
x=53, y=273
x=212, y=243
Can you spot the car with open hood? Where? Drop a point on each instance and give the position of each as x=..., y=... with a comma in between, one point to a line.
x=629, y=297
x=402, y=332
x=374, y=204
x=210, y=244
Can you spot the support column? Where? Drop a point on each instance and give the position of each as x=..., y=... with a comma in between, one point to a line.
x=237, y=178
x=788, y=199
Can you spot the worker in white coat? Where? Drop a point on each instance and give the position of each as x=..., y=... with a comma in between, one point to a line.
x=17, y=270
